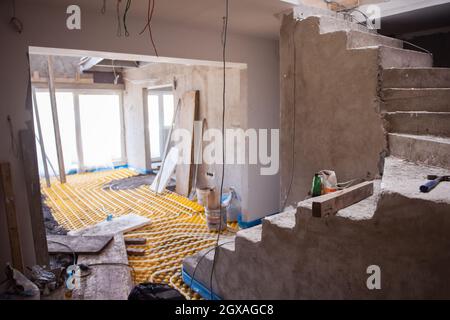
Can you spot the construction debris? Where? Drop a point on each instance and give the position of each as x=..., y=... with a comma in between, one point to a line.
x=77, y=244
x=117, y=225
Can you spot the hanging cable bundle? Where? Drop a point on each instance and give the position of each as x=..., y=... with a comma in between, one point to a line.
x=119, y=27
x=103, y=9
x=15, y=22
x=150, y=11
x=127, y=8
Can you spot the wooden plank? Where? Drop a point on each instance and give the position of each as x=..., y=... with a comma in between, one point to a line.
x=59, y=152
x=331, y=203
x=135, y=241
x=79, y=244
x=188, y=113
x=135, y=252
x=109, y=278
x=41, y=139
x=116, y=225
x=8, y=205
x=33, y=188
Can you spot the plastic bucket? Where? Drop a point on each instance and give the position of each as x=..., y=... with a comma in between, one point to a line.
x=202, y=196
x=216, y=220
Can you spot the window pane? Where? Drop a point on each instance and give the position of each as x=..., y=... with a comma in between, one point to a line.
x=153, y=125
x=66, y=118
x=100, y=130
x=168, y=109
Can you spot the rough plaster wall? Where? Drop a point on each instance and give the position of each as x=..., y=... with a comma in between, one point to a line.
x=208, y=81
x=337, y=124
x=45, y=25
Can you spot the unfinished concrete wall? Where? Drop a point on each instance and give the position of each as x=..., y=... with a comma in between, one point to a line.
x=45, y=26
x=208, y=80
x=329, y=108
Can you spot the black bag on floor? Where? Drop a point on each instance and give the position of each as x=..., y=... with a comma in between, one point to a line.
x=154, y=291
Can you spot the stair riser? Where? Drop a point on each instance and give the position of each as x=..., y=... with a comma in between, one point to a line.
x=362, y=39
x=421, y=151
x=399, y=58
x=271, y=231
x=416, y=78
x=416, y=100
x=419, y=123
x=244, y=245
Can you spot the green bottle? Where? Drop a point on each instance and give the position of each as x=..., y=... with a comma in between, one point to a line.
x=316, y=189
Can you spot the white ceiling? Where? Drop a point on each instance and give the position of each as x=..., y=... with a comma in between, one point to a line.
x=251, y=17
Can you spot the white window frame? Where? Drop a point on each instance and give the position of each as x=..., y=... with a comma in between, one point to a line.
x=76, y=104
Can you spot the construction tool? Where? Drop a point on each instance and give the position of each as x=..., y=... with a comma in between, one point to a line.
x=434, y=181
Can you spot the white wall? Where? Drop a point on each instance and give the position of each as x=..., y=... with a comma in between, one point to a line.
x=45, y=26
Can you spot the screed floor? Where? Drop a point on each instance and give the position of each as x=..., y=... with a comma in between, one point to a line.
x=178, y=227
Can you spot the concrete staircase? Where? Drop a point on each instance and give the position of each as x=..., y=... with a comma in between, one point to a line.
x=416, y=106
x=293, y=255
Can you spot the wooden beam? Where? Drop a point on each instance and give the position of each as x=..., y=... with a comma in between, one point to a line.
x=33, y=189
x=59, y=152
x=8, y=205
x=188, y=114
x=333, y=202
x=135, y=241
x=41, y=139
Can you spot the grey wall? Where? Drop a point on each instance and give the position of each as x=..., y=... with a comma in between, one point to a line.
x=45, y=26
x=208, y=80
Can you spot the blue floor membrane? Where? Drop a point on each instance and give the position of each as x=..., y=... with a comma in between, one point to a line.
x=198, y=287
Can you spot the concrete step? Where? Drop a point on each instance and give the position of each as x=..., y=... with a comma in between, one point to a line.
x=419, y=123
x=365, y=209
x=278, y=225
x=248, y=239
x=402, y=58
x=429, y=150
x=405, y=99
x=416, y=78
x=404, y=178
x=330, y=24
x=358, y=39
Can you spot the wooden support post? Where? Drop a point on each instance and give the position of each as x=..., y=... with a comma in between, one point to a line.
x=30, y=170
x=8, y=205
x=333, y=202
x=59, y=152
x=41, y=139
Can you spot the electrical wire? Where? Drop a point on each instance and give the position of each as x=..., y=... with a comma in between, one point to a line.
x=224, y=51
x=119, y=27
x=103, y=9
x=13, y=146
x=203, y=256
x=127, y=8
x=294, y=113
x=150, y=11
x=68, y=247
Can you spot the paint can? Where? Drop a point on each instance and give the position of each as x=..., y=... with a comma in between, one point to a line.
x=216, y=219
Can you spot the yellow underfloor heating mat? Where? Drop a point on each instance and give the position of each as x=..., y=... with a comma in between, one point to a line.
x=178, y=226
